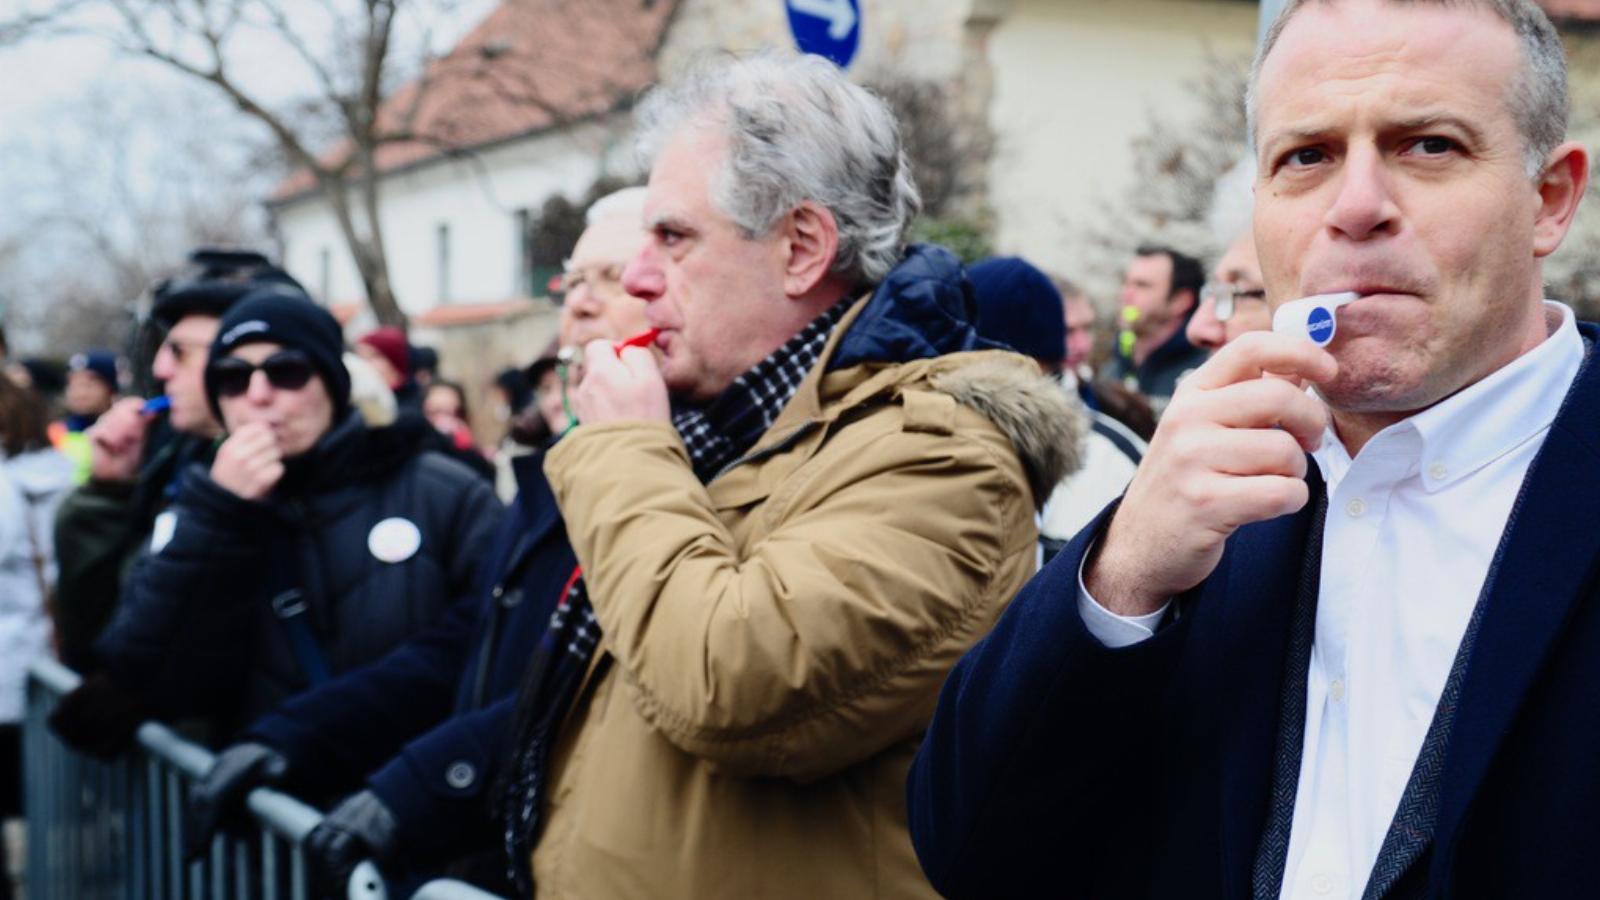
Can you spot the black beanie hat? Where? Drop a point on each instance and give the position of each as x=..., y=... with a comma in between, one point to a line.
x=285, y=315
x=215, y=280
x=1019, y=307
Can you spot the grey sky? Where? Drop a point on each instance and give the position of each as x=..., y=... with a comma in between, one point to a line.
x=80, y=144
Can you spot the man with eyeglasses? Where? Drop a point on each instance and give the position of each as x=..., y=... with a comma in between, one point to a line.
x=311, y=544
x=1233, y=302
x=593, y=302
x=138, y=457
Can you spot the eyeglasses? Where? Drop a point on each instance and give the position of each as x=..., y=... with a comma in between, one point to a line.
x=1227, y=297
x=286, y=370
x=594, y=277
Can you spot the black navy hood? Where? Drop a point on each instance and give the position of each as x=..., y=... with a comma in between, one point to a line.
x=922, y=309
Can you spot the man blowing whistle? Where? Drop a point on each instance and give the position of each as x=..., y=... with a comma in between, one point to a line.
x=1339, y=643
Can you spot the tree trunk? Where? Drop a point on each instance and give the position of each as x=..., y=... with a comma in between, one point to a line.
x=367, y=251
x=380, y=294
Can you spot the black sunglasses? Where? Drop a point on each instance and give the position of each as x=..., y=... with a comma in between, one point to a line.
x=286, y=370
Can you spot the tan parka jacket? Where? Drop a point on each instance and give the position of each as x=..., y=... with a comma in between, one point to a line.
x=775, y=641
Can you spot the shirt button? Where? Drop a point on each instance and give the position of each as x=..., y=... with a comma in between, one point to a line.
x=1336, y=690
x=1322, y=883
x=1437, y=471
x=1355, y=507
x=460, y=775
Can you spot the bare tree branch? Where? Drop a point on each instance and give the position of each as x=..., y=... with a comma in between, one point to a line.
x=357, y=122
x=32, y=25
x=279, y=22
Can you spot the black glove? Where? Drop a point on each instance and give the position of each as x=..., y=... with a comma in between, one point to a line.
x=99, y=718
x=217, y=800
x=359, y=828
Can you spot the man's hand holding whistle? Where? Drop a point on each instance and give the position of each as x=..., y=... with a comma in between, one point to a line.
x=621, y=381
x=1230, y=451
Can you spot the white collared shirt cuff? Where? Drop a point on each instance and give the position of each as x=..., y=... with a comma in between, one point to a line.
x=1109, y=628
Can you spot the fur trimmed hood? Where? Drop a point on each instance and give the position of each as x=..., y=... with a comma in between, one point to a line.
x=1045, y=424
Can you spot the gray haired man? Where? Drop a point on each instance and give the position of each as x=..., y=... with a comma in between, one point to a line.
x=1341, y=642
x=793, y=514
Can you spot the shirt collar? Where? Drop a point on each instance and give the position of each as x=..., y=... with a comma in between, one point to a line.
x=1481, y=423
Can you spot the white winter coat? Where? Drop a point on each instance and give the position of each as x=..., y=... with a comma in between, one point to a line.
x=32, y=485
x=1107, y=468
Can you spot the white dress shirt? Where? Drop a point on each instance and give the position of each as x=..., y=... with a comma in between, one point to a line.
x=1413, y=523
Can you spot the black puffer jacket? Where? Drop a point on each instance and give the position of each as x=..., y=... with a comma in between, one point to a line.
x=363, y=544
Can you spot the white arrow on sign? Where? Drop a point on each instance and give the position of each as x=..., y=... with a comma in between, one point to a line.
x=841, y=17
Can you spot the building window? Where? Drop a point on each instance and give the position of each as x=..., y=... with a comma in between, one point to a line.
x=325, y=275
x=523, y=284
x=442, y=243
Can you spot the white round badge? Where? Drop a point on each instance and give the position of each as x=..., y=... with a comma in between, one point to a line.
x=161, y=531
x=394, y=540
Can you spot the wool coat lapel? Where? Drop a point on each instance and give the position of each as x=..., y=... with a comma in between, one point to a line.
x=1545, y=565
x=1258, y=593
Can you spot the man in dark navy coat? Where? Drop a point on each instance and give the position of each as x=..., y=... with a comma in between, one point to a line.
x=421, y=734
x=1341, y=642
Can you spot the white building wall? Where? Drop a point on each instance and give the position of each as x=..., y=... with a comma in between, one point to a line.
x=1074, y=82
x=913, y=38
x=476, y=199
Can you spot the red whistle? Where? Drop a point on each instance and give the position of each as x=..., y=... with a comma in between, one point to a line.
x=644, y=339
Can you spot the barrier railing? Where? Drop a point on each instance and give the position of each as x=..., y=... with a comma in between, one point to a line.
x=106, y=831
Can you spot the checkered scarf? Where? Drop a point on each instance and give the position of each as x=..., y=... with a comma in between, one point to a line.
x=721, y=432
x=715, y=436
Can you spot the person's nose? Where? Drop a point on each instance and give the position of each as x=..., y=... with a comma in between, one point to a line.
x=1364, y=205
x=1204, y=330
x=163, y=366
x=643, y=277
x=260, y=390
x=582, y=301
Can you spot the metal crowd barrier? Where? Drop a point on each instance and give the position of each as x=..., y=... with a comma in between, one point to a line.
x=109, y=831
x=452, y=890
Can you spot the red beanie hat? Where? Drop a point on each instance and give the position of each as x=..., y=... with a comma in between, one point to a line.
x=391, y=342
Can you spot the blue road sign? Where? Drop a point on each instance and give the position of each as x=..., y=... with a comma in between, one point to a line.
x=828, y=28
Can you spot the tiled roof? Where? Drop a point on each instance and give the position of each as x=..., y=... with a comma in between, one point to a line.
x=1572, y=10
x=472, y=313
x=530, y=65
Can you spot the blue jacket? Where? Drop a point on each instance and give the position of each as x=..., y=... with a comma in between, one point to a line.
x=426, y=725
x=1058, y=767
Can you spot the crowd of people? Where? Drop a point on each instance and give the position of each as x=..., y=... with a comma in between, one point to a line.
x=814, y=564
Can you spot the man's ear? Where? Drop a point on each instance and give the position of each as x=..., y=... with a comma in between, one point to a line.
x=811, y=239
x=1185, y=298
x=1561, y=188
